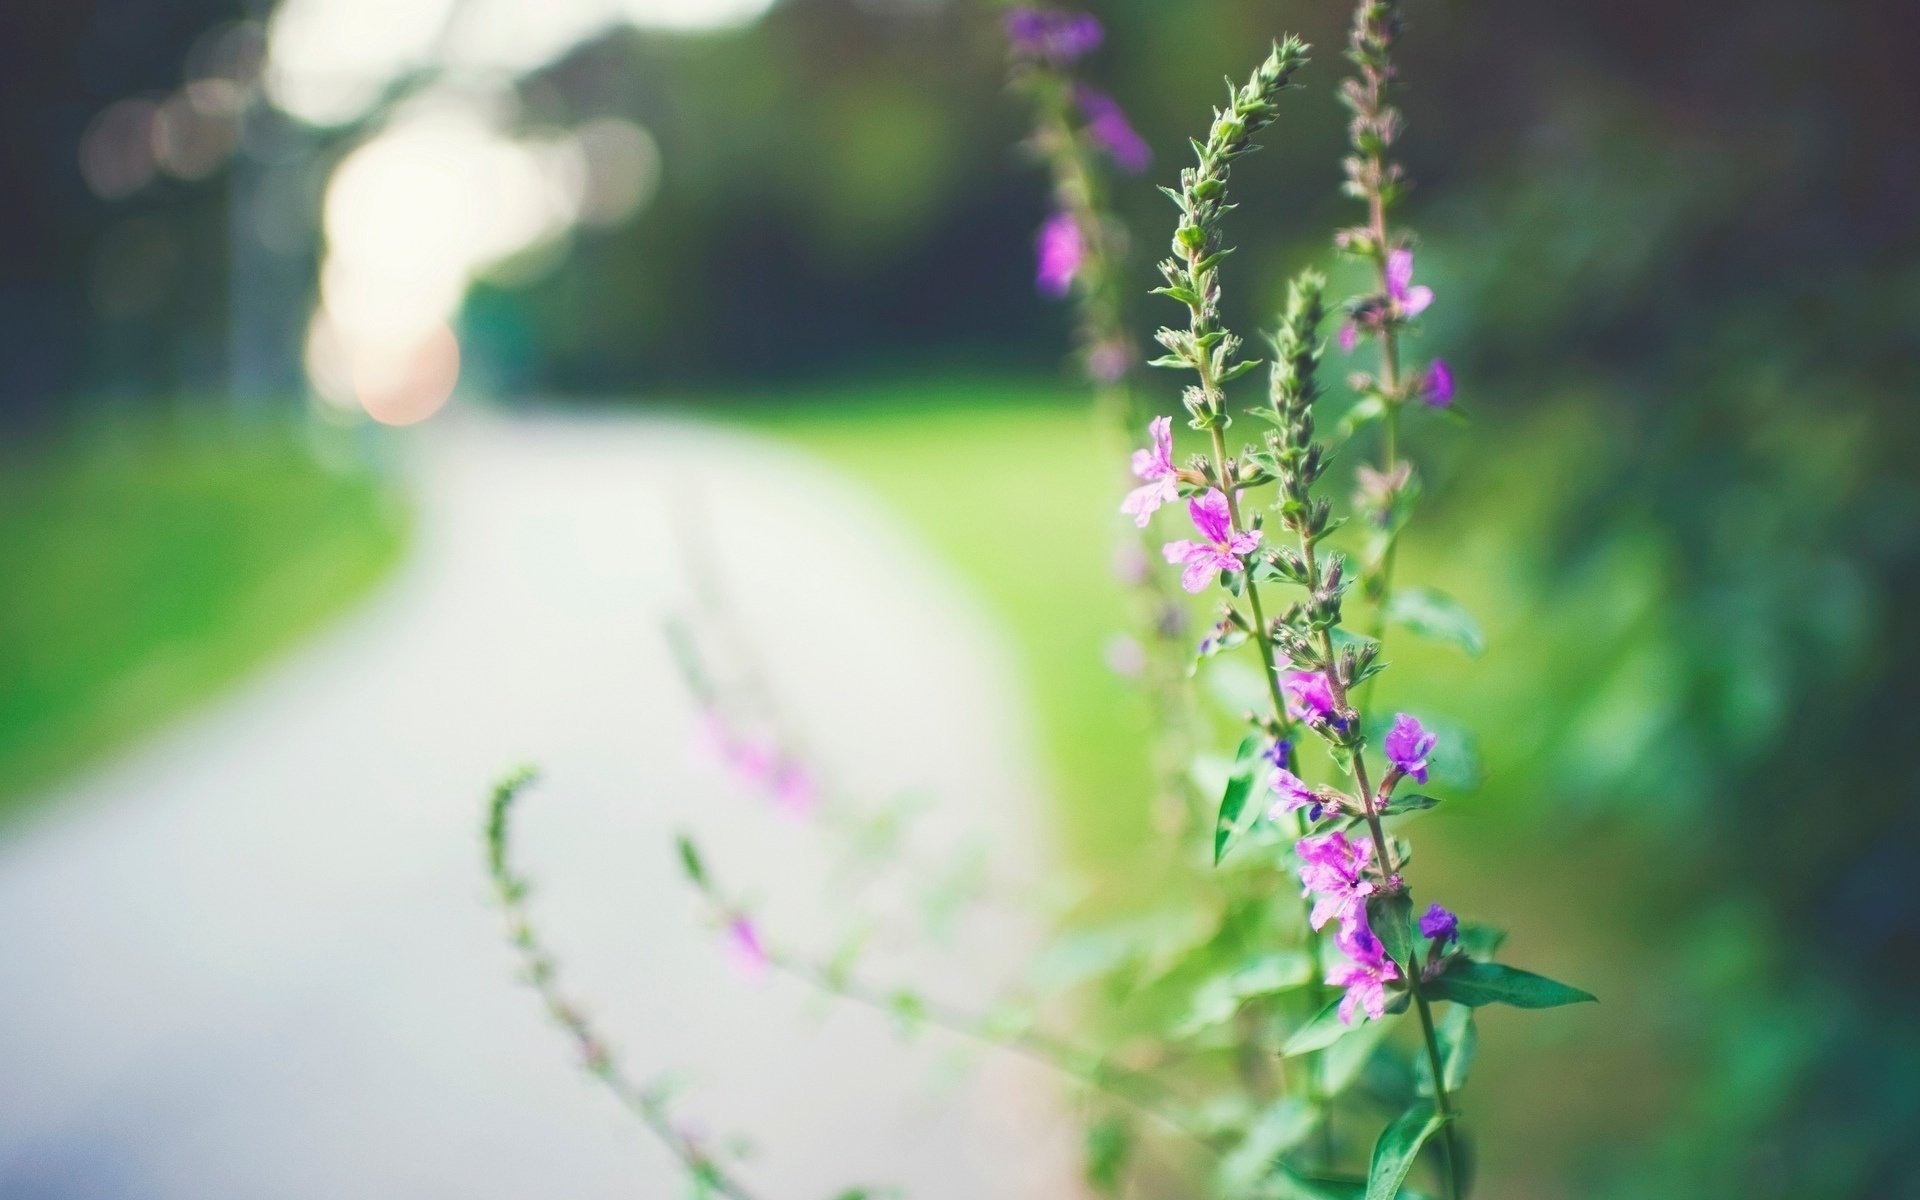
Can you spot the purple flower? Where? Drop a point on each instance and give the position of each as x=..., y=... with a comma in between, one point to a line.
x=1292, y=791
x=1279, y=752
x=744, y=950
x=1109, y=127
x=1222, y=549
x=1411, y=299
x=1058, y=37
x=794, y=791
x=1155, y=465
x=1110, y=361
x=1125, y=656
x=1407, y=746
x=1365, y=974
x=1349, y=337
x=1440, y=925
x=1309, y=696
x=1333, y=869
x=1059, y=251
x=1436, y=385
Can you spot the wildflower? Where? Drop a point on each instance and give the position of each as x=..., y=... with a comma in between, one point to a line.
x=1408, y=745
x=1379, y=489
x=1364, y=975
x=1293, y=793
x=1412, y=300
x=1059, y=251
x=795, y=793
x=1440, y=925
x=1155, y=465
x=1349, y=337
x=1058, y=37
x=1309, y=696
x=1125, y=656
x=1436, y=385
x=1280, y=752
x=748, y=955
x=1110, y=361
x=1334, y=869
x=1109, y=127
x=1222, y=549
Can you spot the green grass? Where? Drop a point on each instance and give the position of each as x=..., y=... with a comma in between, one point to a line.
x=1013, y=485
x=146, y=570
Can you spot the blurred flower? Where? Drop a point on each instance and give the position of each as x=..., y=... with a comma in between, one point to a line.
x=1440, y=925
x=1407, y=745
x=795, y=791
x=1059, y=250
x=1412, y=300
x=1349, y=337
x=745, y=951
x=1222, y=549
x=1058, y=37
x=1436, y=386
x=1309, y=696
x=1125, y=656
x=1333, y=869
x=1155, y=465
x=1110, y=361
x=1111, y=130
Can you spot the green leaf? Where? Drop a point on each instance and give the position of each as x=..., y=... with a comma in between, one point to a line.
x=690, y=863
x=1478, y=983
x=1109, y=1144
x=1323, y=1030
x=1233, y=800
x=1412, y=802
x=1481, y=941
x=1435, y=615
x=1285, y=1124
x=1398, y=1146
x=1219, y=999
x=1458, y=1040
x=1343, y=1061
x=1390, y=915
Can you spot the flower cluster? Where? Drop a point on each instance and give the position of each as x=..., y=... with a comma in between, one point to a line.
x=760, y=762
x=1223, y=549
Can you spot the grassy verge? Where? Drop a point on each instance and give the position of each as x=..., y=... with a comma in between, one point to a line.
x=146, y=570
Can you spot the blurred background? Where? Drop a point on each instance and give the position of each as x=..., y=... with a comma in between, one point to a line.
x=308, y=309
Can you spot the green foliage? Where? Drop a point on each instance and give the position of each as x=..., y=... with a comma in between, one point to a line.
x=1433, y=614
x=1398, y=1147
x=1109, y=1146
x=145, y=573
x=1233, y=800
x=1474, y=984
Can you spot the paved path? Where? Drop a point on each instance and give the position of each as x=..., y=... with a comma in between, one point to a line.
x=254, y=958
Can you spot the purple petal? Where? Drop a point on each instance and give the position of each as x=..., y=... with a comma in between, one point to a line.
x=1399, y=273
x=1436, y=386
x=1210, y=517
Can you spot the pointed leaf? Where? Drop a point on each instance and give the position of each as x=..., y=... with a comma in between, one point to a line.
x=1233, y=800
x=1477, y=983
x=1458, y=1040
x=1390, y=914
x=1435, y=615
x=1398, y=1146
x=1323, y=1030
x=1285, y=1124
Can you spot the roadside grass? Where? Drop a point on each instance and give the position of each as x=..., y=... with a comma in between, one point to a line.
x=149, y=565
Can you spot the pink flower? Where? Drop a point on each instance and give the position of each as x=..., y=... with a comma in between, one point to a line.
x=1349, y=337
x=795, y=793
x=1293, y=793
x=1309, y=696
x=1436, y=385
x=1109, y=127
x=1333, y=869
x=1222, y=549
x=1058, y=37
x=1155, y=465
x=1365, y=974
x=1059, y=250
x=1412, y=300
x=744, y=950
x=1407, y=745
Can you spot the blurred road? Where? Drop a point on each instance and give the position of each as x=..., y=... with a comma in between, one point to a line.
x=255, y=957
